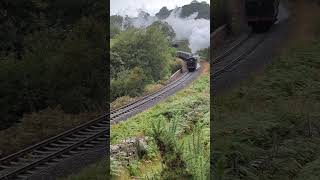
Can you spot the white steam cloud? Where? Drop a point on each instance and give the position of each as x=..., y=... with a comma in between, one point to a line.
x=196, y=31
x=143, y=20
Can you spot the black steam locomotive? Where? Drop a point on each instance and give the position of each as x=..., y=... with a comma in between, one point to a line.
x=190, y=59
x=261, y=14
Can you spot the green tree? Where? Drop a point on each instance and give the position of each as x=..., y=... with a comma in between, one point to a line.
x=165, y=28
x=183, y=45
x=163, y=13
x=148, y=49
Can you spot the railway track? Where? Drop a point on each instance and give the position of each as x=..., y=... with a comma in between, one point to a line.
x=238, y=50
x=33, y=159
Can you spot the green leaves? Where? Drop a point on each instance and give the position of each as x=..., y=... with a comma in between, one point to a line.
x=139, y=57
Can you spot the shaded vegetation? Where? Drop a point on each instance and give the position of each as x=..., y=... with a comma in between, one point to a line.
x=96, y=171
x=52, y=53
x=37, y=126
x=269, y=128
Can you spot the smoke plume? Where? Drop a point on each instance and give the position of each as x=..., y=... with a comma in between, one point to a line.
x=196, y=31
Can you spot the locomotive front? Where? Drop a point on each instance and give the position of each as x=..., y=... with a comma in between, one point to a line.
x=192, y=64
x=189, y=58
x=261, y=14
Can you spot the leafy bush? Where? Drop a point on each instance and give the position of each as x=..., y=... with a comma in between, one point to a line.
x=139, y=57
x=128, y=83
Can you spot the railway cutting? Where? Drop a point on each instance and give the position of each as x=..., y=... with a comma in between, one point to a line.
x=84, y=138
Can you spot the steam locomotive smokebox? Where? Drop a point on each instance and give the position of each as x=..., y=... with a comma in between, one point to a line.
x=237, y=16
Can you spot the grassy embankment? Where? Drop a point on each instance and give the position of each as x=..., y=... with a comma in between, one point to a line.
x=268, y=128
x=186, y=115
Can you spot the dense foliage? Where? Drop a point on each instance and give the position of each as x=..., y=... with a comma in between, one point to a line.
x=204, y=53
x=52, y=53
x=139, y=57
x=163, y=13
x=183, y=45
x=165, y=28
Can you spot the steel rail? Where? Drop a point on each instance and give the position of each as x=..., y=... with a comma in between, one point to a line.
x=234, y=45
x=236, y=60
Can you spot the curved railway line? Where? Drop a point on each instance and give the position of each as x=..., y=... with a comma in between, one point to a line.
x=237, y=51
x=85, y=137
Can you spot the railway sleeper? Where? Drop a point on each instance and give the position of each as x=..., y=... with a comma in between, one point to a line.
x=57, y=145
x=65, y=142
x=22, y=159
x=40, y=167
x=88, y=145
x=96, y=126
x=81, y=148
x=73, y=152
x=57, y=159
x=74, y=140
x=38, y=155
x=92, y=130
x=50, y=163
x=82, y=135
x=41, y=152
x=4, y=167
x=65, y=155
x=102, y=139
x=95, y=142
x=52, y=148
x=103, y=124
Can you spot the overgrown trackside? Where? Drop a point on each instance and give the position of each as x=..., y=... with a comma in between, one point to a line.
x=269, y=128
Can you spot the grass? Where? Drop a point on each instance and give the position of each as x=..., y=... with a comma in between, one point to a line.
x=184, y=105
x=268, y=128
x=188, y=107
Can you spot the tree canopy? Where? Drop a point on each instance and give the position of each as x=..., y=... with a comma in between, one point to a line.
x=51, y=54
x=140, y=53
